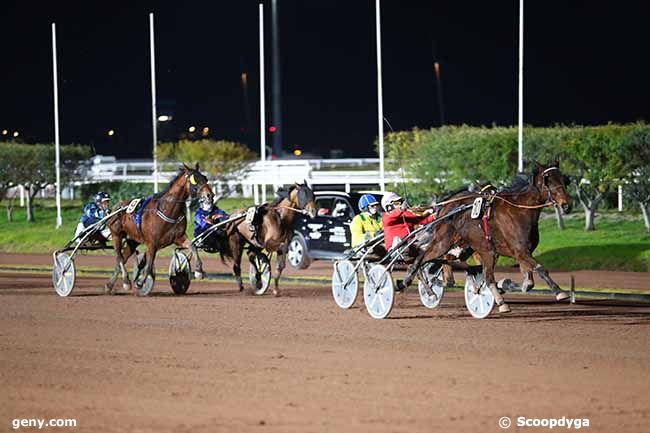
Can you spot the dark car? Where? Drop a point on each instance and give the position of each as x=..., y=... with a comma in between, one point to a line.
x=327, y=236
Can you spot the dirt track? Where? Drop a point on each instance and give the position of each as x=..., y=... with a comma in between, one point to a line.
x=215, y=360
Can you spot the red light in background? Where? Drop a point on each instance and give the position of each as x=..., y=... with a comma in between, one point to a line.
x=272, y=129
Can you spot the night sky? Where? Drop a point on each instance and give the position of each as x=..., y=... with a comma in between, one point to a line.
x=585, y=62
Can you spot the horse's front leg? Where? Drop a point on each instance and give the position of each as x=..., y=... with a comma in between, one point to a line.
x=281, y=262
x=237, y=248
x=150, y=257
x=127, y=252
x=531, y=263
x=488, y=260
x=117, y=246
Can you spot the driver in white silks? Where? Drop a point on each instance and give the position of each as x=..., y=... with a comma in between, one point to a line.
x=94, y=212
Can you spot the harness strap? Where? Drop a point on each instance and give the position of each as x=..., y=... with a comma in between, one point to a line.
x=167, y=219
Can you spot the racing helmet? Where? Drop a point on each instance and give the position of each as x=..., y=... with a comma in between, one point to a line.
x=388, y=199
x=367, y=200
x=102, y=197
x=206, y=203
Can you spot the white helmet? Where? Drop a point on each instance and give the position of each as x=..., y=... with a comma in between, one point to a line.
x=388, y=199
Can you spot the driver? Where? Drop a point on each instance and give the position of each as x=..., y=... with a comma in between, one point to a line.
x=398, y=220
x=365, y=225
x=94, y=212
x=207, y=214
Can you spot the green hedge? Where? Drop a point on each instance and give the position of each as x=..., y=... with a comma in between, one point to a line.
x=451, y=156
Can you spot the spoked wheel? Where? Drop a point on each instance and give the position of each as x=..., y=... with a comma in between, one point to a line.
x=147, y=286
x=378, y=292
x=180, y=273
x=345, y=283
x=63, y=274
x=259, y=273
x=478, y=296
x=431, y=285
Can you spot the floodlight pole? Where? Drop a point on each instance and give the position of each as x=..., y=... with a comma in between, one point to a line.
x=520, y=128
x=57, y=144
x=154, y=118
x=380, y=99
x=262, y=104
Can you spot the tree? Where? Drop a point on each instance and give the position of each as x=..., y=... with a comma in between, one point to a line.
x=221, y=160
x=32, y=166
x=601, y=157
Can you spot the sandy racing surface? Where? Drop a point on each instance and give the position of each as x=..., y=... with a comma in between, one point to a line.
x=218, y=361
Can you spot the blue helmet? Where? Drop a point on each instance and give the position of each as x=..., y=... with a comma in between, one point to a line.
x=102, y=196
x=367, y=200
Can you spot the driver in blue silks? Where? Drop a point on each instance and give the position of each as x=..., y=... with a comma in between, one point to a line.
x=207, y=214
x=94, y=212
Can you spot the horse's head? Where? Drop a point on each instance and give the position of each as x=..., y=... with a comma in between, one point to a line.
x=302, y=197
x=196, y=182
x=551, y=182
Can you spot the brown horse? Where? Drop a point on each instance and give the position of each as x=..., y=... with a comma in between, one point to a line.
x=163, y=223
x=513, y=229
x=274, y=232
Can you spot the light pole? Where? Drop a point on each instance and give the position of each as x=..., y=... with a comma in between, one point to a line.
x=262, y=103
x=380, y=99
x=59, y=219
x=154, y=117
x=520, y=127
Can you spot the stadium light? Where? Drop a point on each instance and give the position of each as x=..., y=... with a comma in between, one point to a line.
x=16, y=134
x=191, y=128
x=164, y=118
x=111, y=132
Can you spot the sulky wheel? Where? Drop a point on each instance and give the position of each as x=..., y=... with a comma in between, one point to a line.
x=431, y=285
x=378, y=292
x=345, y=283
x=259, y=273
x=147, y=286
x=180, y=273
x=478, y=296
x=63, y=274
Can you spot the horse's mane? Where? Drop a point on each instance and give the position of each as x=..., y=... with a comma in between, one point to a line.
x=181, y=171
x=519, y=183
x=449, y=195
x=281, y=194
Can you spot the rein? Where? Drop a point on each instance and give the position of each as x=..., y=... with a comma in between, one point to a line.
x=302, y=211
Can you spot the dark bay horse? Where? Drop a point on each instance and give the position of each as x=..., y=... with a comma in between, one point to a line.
x=513, y=229
x=163, y=223
x=274, y=232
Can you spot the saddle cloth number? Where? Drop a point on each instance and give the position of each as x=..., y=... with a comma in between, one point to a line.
x=133, y=205
x=477, y=207
x=250, y=214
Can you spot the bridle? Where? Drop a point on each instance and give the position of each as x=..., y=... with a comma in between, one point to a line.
x=549, y=189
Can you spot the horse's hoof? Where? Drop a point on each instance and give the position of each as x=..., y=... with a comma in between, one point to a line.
x=241, y=289
x=126, y=286
x=504, y=308
x=198, y=275
x=276, y=293
x=561, y=296
x=108, y=289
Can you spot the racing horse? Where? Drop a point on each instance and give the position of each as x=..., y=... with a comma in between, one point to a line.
x=512, y=231
x=274, y=231
x=162, y=223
